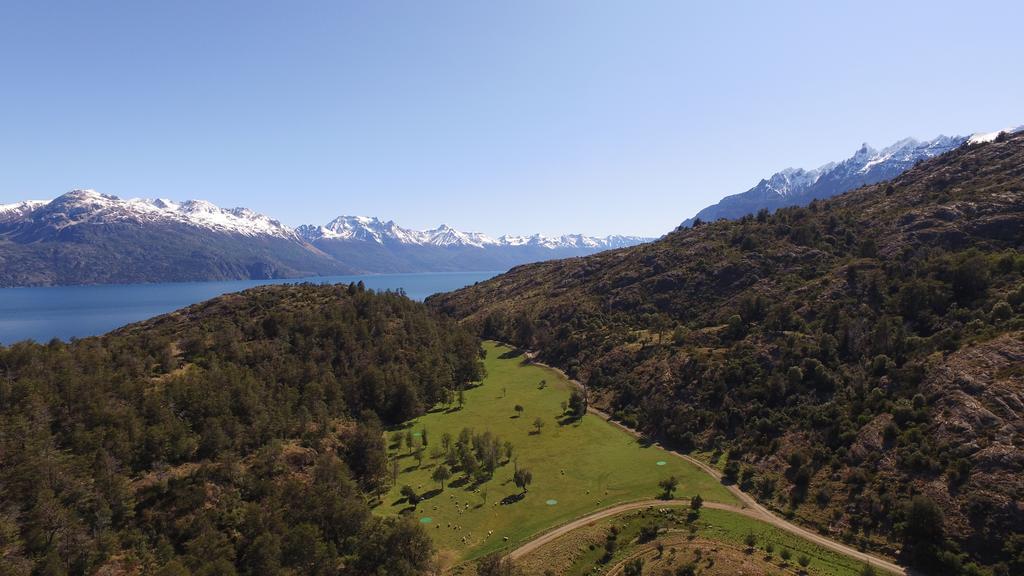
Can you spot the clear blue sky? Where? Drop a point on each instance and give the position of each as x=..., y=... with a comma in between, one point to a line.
x=594, y=117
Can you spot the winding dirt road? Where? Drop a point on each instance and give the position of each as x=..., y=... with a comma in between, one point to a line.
x=612, y=511
x=750, y=507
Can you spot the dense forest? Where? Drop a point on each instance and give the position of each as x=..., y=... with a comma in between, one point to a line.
x=857, y=364
x=243, y=435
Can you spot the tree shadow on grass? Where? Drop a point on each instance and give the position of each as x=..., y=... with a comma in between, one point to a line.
x=512, y=498
x=459, y=482
x=430, y=494
x=513, y=353
x=568, y=420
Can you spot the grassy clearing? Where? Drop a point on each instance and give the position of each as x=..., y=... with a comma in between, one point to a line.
x=576, y=555
x=715, y=460
x=584, y=466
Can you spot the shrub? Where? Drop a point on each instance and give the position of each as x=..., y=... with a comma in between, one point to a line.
x=731, y=471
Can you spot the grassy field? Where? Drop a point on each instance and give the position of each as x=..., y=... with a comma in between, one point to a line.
x=577, y=467
x=578, y=554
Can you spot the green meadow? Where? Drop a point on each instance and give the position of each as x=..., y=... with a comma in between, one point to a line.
x=577, y=466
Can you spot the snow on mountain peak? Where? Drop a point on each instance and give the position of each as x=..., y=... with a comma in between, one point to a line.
x=793, y=186
x=87, y=206
x=19, y=210
x=363, y=228
x=787, y=181
x=909, y=151
x=983, y=137
x=901, y=145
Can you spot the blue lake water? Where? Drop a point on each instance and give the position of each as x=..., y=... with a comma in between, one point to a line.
x=64, y=312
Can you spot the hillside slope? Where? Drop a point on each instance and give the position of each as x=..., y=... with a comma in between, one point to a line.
x=857, y=362
x=242, y=435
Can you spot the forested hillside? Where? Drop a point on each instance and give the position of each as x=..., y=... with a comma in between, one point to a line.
x=858, y=363
x=238, y=436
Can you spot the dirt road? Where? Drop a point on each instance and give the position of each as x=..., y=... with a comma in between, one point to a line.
x=750, y=507
x=612, y=511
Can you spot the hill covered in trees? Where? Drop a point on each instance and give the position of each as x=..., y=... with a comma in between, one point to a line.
x=857, y=363
x=238, y=436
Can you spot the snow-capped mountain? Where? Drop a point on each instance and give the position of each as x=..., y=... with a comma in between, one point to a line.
x=372, y=229
x=797, y=187
x=376, y=245
x=19, y=210
x=983, y=137
x=88, y=207
x=363, y=228
x=85, y=237
x=569, y=241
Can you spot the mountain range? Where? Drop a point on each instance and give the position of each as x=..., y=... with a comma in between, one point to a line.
x=798, y=187
x=85, y=237
x=372, y=244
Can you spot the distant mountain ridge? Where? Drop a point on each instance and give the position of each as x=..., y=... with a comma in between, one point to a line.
x=82, y=206
x=369, y=243
x=372, y=229
x=798, y=187
x=85, y=237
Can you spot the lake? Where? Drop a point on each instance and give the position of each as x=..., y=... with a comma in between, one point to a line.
x=64, y=312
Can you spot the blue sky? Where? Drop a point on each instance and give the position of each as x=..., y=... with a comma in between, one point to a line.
x=502, y=117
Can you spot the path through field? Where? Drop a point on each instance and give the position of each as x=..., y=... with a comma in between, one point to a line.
x=751, y=508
